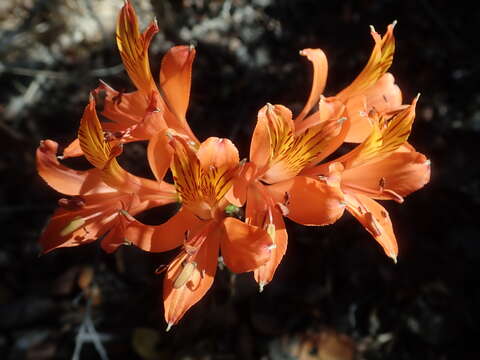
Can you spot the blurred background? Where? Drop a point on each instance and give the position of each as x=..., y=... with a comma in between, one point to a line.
x=336, y=296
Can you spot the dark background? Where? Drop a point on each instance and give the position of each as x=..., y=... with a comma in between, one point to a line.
x=336, y=295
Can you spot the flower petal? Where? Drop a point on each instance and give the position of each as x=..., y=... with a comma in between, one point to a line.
x=175, y=84
x=217, y=152
x=376, y=221
x=133, y=47
x=63, y=179
x=320, y=71
x=164, y=237
x=102, y=155
x=399, y=174
x=264, y=274
x=182, y=290
x=310, y=201
x=72, y=150
x=383, y=97
x=68, y=228
x=386, y=137
x=378, y=64
x=159, y=154
x=244, y=247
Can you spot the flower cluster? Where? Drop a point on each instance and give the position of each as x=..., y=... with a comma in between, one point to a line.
x=290, y=171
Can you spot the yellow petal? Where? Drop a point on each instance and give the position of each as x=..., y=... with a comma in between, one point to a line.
x=378, y=64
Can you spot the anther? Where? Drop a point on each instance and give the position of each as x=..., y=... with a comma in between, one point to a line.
x=185, y=274
x=72, y=226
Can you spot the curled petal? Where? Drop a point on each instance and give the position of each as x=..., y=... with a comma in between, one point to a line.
x=320, y=71
x=133, y=47
x=175, y=83
x=310, y=201
x=164, y=237
x=183, y=288
x=391, y=178
x=375, y=220
x=63, y=179
x=378, y=64
x=244, y=247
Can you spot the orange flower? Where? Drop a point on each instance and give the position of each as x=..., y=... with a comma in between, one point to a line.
x=202, y=175
x=278, y=153
x=383, y=167
x=373, y=88
x=141, y=114
x=100, y=201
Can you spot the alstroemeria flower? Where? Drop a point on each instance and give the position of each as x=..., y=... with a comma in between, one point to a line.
x=142, y=114
x=383, y=167
x=101, y=200
x=202, y=177
x=372, y=89
x=278, y=153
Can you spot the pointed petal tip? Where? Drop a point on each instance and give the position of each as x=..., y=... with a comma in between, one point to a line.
x=394, y=23
x=394, y=258
x=372, y=29
x=261, y=285
x=169, y=326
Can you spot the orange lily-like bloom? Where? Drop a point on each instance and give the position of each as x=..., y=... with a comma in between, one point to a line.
x=383, y=167
x=277, y=155
x=101, y=200
x=202, y=175
x=142, y=114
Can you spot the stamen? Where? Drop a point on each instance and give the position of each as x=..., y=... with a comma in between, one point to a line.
x=72, y=226
x=185, y=274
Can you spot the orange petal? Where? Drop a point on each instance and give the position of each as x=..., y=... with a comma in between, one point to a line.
x=133, y=47
x=376, y=221
x=164, y=237
x=159, y=154
x=102, y=155
x=123, y=109
x=175, y=83
x=310, y=201
x=237, y=195
x=260, y=151
x=72, y=150
x=244, y=247
x=264, y=274
x=385, y=137
x=399, y=174
x=69, y=228
x=178, y=297
x=217, y=152
x=378, y=64
x=383, y=97
x=320, y=71
x=63, y=179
